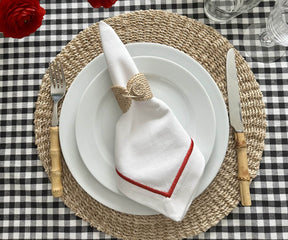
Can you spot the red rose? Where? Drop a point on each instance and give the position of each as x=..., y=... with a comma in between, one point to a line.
x=100, y=3
x=20, y=18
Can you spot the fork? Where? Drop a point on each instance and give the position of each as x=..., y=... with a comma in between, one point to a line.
x=58, y=88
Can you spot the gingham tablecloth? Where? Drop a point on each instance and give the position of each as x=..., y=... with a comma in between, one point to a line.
x=27, y=208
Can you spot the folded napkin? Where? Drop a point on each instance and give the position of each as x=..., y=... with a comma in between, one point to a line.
x=157, y=162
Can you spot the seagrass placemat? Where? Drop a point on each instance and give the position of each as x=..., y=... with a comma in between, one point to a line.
x=209, y=48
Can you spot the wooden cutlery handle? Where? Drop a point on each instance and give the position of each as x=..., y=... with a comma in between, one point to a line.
x=56, y=167
x=243, y=173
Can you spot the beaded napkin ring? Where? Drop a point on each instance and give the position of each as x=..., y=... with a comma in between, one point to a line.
x=137, y=89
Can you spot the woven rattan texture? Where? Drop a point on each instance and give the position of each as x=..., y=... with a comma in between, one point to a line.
x=209, y=48
x=137, y=89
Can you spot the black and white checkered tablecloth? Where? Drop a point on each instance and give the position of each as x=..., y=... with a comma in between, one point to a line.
x=27, y=208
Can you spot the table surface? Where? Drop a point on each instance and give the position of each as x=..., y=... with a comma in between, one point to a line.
x=27, y=208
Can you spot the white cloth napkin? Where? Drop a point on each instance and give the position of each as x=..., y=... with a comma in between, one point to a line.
x=157, y=162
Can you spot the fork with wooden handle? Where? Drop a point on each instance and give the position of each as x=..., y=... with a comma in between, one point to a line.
x=58, y=88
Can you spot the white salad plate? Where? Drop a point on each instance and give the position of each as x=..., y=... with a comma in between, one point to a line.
x=98, y=113
x=71, y=102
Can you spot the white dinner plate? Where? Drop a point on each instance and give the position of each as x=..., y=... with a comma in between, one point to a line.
x=67, y=125
x=98, y=113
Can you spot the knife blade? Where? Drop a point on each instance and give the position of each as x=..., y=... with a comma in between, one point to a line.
x=236, y=122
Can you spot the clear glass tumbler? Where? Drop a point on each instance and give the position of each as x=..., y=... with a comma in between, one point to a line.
x=225, y=10
x=267, y=42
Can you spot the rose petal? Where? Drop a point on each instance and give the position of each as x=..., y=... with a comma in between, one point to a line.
x=20, y=18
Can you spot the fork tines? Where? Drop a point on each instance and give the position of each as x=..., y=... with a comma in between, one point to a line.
x=56, y=74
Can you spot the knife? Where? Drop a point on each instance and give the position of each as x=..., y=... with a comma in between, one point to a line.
x=237, y=124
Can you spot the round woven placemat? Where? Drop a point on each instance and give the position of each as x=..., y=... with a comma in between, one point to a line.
x=209, y=48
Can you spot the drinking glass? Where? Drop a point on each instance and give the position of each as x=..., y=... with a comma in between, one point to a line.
x=268, y=42
x=225, y=10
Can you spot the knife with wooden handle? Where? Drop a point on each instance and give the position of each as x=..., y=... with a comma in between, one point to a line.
x=237, y=124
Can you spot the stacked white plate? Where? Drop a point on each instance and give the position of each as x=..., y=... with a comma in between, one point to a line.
x=90, y=112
